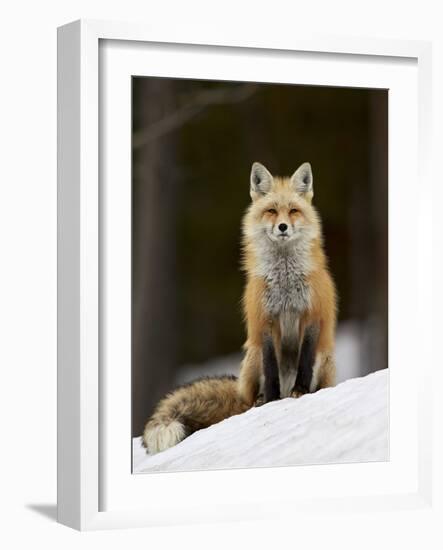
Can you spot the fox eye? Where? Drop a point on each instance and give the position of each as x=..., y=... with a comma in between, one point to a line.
x=293, y=211
x=272, y=211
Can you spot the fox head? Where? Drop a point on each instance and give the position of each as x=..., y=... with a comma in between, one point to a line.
x=281, y=209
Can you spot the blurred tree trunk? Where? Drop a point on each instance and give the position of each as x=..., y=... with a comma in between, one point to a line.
x=369, y=238
x=153, y=252
x=379, y=176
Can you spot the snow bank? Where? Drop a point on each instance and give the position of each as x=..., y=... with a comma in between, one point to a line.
x=348, y=423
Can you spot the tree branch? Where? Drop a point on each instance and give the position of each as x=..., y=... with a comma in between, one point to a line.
x=183, y=114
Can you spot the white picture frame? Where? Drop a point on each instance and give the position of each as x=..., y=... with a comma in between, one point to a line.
x=83, y=416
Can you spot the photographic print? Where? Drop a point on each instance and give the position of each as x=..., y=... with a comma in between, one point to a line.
x=259, y=275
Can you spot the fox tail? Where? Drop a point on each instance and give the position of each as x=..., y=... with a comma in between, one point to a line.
x=192, y=407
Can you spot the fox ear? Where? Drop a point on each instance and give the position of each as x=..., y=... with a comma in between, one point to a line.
x=302, y=180
x=261, y=181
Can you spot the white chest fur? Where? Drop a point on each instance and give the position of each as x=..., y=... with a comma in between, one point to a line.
x=285, y=271
x=286, y=297
x=286, y=288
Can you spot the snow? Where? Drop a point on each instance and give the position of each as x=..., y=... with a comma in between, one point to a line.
x=348, y=423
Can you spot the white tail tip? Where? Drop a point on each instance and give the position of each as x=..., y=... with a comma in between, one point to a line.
x=160, y=438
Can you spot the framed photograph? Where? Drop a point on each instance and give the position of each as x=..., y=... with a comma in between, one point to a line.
x=242, y=258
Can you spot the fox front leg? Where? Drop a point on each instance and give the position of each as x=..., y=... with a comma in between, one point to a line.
x=306, y=362
x=270, y=370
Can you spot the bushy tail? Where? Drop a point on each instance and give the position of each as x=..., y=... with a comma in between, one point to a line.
x=190, y=408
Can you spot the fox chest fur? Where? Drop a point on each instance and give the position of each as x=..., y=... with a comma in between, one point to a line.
x=285, y=273
x=286, y=298
x=286, y=289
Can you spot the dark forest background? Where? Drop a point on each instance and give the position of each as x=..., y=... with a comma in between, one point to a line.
x=193, y=146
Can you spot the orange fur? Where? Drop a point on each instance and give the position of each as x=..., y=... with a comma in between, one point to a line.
x=273, y=207
x=205, y=402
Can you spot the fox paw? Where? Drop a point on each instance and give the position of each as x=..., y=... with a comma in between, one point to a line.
x=298, y=393
x=259, y=401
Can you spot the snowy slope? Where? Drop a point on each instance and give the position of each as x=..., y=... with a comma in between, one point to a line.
x=348, y=423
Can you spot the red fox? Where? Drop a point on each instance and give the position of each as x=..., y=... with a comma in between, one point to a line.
x=289, y=300
x=289, y=308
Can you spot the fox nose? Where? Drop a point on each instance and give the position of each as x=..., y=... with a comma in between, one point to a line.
x=283, y=227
